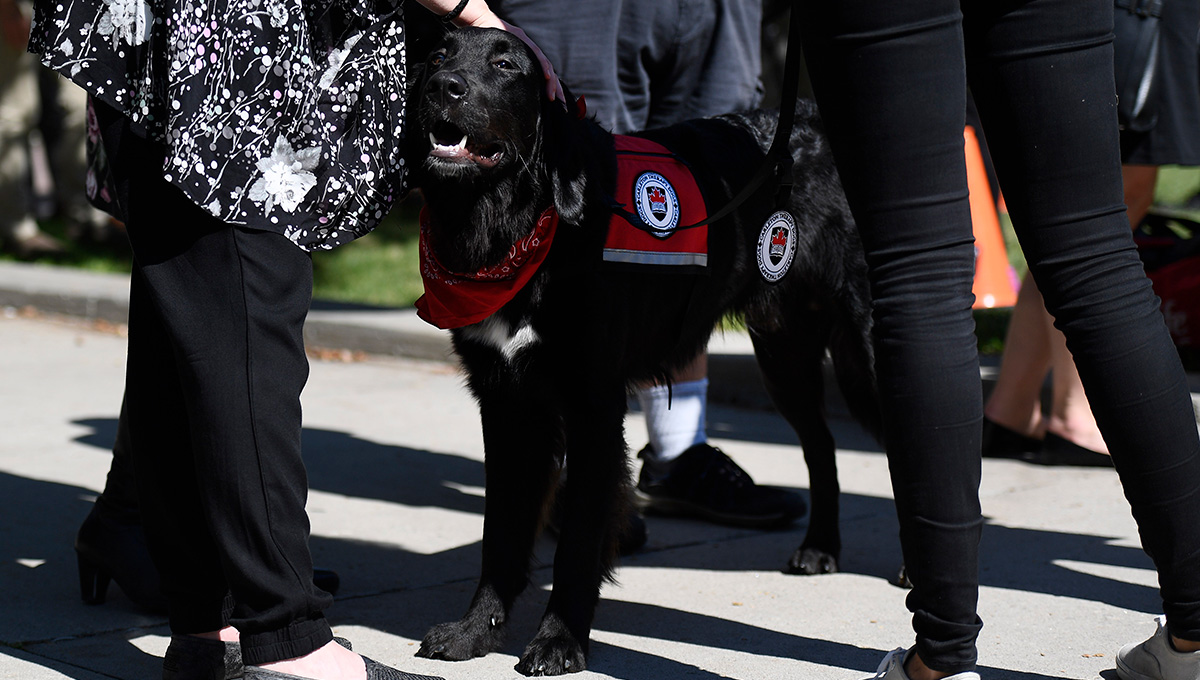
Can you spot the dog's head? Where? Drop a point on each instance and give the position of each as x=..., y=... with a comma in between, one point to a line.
x=482, y=117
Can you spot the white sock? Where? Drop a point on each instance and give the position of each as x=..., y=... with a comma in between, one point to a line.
x=675, y=418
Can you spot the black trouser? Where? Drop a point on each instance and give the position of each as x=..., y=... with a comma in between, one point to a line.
x=216, y=366
x=890, y=78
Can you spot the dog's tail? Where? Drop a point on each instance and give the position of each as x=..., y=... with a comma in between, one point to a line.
x=853, y=358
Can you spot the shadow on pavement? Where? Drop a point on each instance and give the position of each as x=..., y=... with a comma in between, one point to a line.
x=649, y=621
x=39, y=519
x=1018, y=559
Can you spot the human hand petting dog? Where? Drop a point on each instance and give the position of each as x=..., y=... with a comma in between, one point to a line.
x=477, y=13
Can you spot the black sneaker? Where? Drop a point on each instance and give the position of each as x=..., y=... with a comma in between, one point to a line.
x=704, y=482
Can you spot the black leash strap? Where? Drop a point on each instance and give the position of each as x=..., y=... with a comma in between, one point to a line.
x=778, y=161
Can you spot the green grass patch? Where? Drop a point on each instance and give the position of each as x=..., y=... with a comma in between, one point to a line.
x=380, y=268
x=1176, y=185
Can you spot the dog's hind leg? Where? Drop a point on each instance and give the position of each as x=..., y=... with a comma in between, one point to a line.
x=596, y=502
x=522, y=445
x=790, y=358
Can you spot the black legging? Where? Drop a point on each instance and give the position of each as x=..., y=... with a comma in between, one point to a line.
x=890, y=78
x=212, y=395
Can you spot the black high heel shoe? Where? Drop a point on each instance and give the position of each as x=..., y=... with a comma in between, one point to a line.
x=110, y=546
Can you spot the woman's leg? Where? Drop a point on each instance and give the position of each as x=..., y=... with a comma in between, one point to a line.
x=216, y=368
x=1071, y=414
x=1016, y=400
x=891, y=83
x=1046, y=97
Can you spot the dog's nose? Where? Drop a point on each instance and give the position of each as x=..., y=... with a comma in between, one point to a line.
x=449, y=86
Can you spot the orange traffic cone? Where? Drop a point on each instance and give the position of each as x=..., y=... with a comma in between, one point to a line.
x=993, y=278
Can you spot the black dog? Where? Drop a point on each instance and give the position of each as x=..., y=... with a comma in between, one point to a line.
x=551, y=365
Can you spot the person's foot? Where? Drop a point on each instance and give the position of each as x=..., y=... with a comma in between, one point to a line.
x=893, y=668
x=1078, y=426
x=1157, y=659
x=704, y=482
x=334, y=661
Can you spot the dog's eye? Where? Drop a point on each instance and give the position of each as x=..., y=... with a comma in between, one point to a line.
x=504, y=65
x=436, y=59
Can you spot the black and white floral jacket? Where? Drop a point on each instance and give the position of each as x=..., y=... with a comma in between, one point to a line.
x=284, y=115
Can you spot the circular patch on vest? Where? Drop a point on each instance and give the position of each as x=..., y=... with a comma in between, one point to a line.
x=777, y=246
x=657, y=205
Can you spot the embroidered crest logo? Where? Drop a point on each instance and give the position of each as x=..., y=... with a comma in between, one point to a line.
x=779, y=241
x=777, y=246
x=657, y=204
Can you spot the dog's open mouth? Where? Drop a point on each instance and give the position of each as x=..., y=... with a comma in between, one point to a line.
x=450, y=143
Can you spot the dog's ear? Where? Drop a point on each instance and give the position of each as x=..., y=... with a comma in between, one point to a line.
x=563, y=150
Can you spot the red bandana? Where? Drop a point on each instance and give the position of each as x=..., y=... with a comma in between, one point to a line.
x=453, y=300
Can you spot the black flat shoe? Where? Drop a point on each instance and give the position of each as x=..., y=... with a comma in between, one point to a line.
x=1002, y=442
x=1059, y=451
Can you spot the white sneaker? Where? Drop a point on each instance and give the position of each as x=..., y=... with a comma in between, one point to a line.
x=1156, y=659
x=892, y=668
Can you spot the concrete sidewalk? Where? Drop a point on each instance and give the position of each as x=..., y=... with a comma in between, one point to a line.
x=383, y=331
x=335, y=326
x=395, y=460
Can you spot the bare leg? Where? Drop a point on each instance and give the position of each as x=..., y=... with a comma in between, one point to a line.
x=1139, y=190
x=1015, y=402
x=226, y=634
x=1034, y=346
x=917, y=670
x=1071, y=415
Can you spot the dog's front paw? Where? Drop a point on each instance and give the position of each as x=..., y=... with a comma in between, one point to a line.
x=808, y=561
x=461, y=640
x=554, y=654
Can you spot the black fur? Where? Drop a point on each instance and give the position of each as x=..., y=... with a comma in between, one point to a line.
x=599, y=330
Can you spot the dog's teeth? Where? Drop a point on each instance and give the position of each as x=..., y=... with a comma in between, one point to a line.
x=462, y=143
